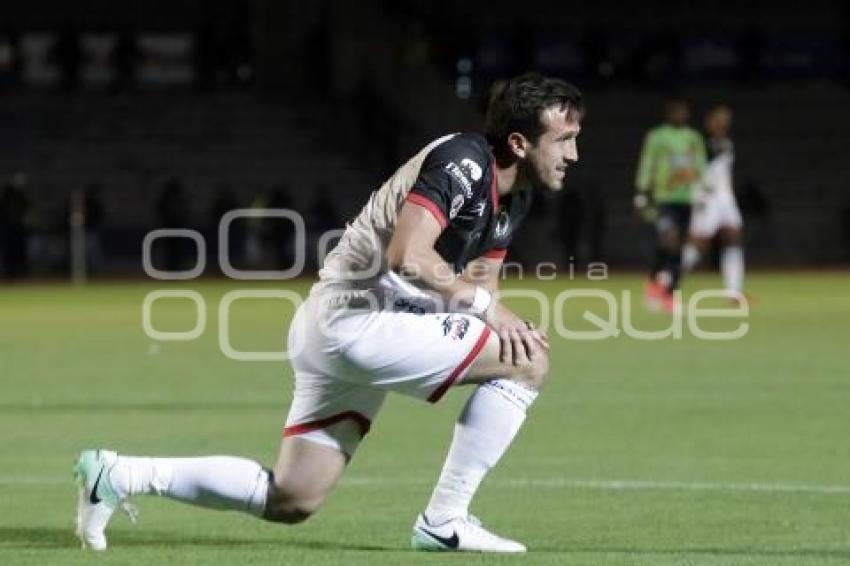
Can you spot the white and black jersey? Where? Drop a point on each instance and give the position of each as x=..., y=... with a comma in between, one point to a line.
x=457, y=184
x=714, y=203
x=454, y=179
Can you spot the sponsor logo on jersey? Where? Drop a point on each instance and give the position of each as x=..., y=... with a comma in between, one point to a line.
x=455, y=327
x=457, y=202
x=503, y=225
x=471, y=168
x=455, y=171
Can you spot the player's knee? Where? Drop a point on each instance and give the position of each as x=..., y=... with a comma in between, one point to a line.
x=730, y=237
x=290, y=512
x=534, y=374
x=288, y=508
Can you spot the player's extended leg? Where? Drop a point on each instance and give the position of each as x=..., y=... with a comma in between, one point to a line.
x=693, y=251
x=673, y=241
x=660, y=290
x=659, y=278
x=660, y=259
x=313, y=455
x=485, y=429
x=671, y=225
x=304, y=474
x=732, y=260
x=107, y=480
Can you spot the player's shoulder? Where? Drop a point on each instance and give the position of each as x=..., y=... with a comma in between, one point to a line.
x=694, y=133
x=657, y=132
x=465, y=157
x=469, y=146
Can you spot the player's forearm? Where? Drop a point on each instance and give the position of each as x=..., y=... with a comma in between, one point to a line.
x=643, y=180
x=427, y=267
x=643, y=177
x=484, y=273
x=489, y=283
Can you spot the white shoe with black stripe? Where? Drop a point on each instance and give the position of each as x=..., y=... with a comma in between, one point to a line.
x=96, y=499
x=464, y=534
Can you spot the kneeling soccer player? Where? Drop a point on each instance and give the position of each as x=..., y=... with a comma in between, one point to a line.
x=406, y=302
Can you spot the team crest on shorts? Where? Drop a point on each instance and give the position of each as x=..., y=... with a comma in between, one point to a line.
x=455, y=327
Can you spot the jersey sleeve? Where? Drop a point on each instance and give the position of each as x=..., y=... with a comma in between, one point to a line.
x=450, y=177
x=514, y=210
x=700, y=153
x=646, y=163
x=496, y=253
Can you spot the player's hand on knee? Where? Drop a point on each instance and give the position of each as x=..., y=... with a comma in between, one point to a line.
x=520, y=343
x=521, y=355
x=538, y=335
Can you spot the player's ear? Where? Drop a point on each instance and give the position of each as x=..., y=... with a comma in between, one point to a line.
x=518, y=144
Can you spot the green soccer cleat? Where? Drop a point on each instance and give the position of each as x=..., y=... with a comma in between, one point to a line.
x=97, y=499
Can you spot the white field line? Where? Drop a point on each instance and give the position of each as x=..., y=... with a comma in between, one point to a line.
x=551, y=483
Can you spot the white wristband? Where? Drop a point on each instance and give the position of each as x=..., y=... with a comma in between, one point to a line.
x=481, y=301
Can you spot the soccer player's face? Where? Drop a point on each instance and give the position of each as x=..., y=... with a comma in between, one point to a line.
x=719, y=122
x=678, y=113
x=555, y=150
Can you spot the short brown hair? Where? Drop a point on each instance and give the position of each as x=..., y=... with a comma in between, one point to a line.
x=516, y=105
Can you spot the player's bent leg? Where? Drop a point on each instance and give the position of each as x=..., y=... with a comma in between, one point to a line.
x=306, y=471
x=485, y=429
x=694, y=250
x=423, y=356
x=732, y=263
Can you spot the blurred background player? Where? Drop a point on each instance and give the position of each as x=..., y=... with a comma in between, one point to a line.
x=672, y=161
x=715, y=212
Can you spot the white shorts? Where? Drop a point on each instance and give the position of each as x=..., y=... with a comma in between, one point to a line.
x=346, y=360
x=710, y=214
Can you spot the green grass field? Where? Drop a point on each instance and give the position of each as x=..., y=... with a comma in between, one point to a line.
x=671, y=452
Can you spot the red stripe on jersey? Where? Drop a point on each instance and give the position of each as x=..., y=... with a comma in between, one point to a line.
x=430, y=206
x=470, y=357
x=359, y=419
x=496, y=253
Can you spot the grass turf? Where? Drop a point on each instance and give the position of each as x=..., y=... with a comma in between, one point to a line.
x=720, y=433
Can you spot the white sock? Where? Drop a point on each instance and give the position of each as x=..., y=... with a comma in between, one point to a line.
x=487, y=425
x=217, y=482
x=690, y=257
x=732, y=267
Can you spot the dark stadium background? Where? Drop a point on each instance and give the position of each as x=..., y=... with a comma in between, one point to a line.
x=165, y=114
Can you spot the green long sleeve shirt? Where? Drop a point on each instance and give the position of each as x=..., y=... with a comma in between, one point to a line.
x=672, y=160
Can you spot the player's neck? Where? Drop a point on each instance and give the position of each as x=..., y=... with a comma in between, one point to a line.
x=507, y=175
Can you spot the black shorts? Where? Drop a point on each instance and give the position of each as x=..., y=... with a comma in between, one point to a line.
x=673, y=216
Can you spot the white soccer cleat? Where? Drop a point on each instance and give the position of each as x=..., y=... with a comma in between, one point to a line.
x=97, y=499
x=464, y=534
